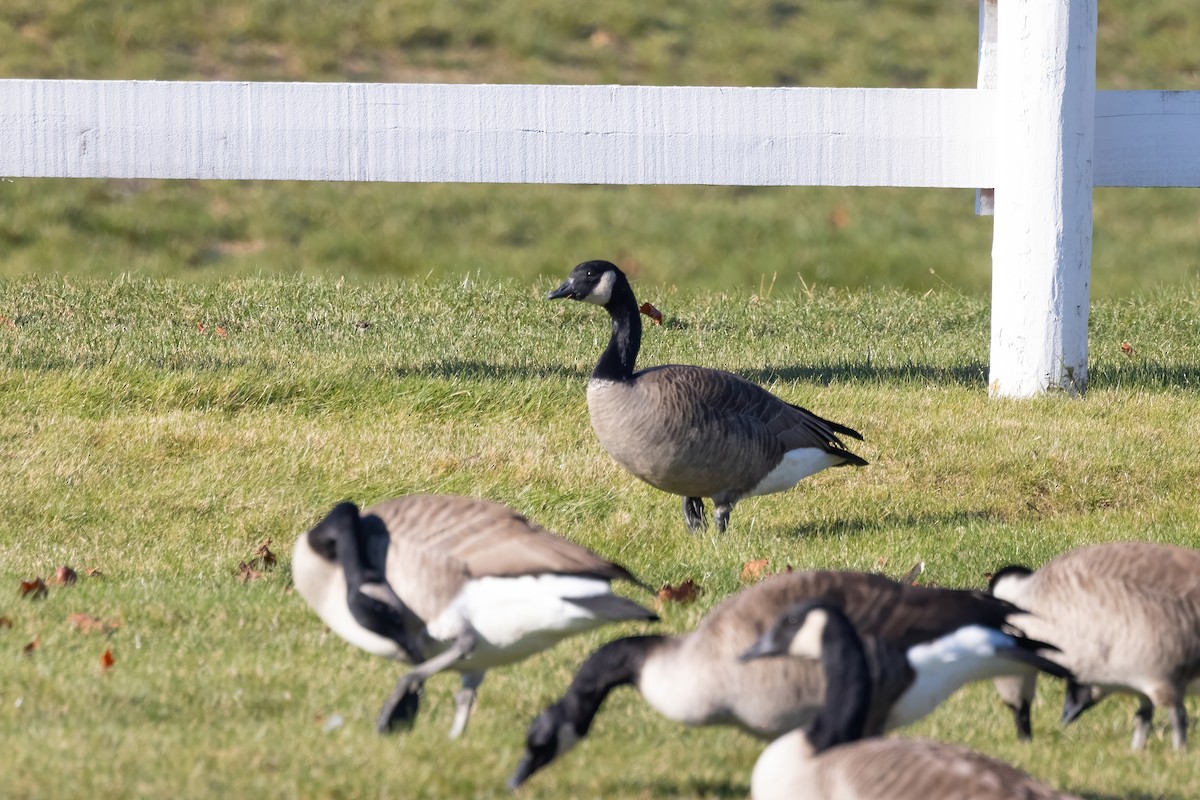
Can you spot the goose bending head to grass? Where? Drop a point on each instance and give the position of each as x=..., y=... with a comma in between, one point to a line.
x=831, y=759
x=445, y=582
x=1125, y=617
x=692, y=431
x=932, y=642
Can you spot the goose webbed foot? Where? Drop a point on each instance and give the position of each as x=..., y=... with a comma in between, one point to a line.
x=694, y=514
x=401, y=706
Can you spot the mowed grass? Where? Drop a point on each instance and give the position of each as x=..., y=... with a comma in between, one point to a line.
x=159, y=430
x=717, y=237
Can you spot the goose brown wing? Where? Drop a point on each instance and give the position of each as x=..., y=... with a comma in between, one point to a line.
x=739, y=402
x=908, y=769
x=477, y=538
x=1168, y=569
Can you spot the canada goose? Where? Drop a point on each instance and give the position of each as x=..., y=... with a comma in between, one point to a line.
x=451, y=583
x=693, y=431
x=1126, y=618
x=829, y=758
x=698, y=679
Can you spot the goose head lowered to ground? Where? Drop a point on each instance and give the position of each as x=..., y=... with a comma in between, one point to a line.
x=944, y=638
x=831, y=759
x=693, y=431
x=446, y=582
x=1126, y=618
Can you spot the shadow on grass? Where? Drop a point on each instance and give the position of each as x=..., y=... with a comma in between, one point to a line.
x=972, y=374
x=856, y=525
x=692, y=788
x=482, y=370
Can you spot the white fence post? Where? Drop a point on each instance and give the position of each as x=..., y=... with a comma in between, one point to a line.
x=1042, y=240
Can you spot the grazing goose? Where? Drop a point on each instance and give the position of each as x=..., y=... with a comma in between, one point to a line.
x=698, y=679
x=1126, y=618
x=451, y=583
x=693, y=431
x=830, y=758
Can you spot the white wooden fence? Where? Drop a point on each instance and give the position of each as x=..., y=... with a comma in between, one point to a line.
x=1036, y=130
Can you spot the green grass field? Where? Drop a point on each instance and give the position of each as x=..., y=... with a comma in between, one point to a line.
x=162, y=455
x=190, y=368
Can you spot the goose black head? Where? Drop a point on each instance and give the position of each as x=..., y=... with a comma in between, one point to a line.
x=591, y=282
x=324, y=535
x=799, y=631
x=549, y=736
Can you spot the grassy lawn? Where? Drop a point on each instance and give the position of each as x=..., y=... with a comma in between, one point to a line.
x=135, y=443
x=188, y=369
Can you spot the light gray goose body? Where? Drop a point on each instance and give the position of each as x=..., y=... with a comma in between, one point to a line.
x=1125, y=617
x=699, y=679
x=455, y=583
x=693, y=431
x=830, y=760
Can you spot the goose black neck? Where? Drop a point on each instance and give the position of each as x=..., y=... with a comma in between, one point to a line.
x=617, y=663
x=843, y=717
x=616, y=363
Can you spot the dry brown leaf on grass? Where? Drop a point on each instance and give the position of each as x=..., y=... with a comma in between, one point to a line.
x=1127, y=348
x=247, y=573
x=685, y=592
x=5, y=623
x=34, y=589
x=651, y=312
x=753, y=570
x=263, y=558
x=64, y=576
x=86, y=623
x=32, y=646
x=106, y=660
x=92, y=572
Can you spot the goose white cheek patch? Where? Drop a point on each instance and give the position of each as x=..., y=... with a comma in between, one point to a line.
x=603, y=291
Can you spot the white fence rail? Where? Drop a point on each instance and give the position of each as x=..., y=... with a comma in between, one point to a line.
x=1043, y=137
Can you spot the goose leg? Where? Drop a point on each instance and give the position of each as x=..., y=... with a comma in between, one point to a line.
x=463, y=700
x=1178, y=717
x=401, y=705
x=1141, y=723
x=693, y=514
x=1021, y=718
x=721, y=515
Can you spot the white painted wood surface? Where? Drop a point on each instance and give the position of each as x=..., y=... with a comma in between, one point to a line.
x=557, y=134
x=494, y=134
x=1042, y=239
x=985, y=196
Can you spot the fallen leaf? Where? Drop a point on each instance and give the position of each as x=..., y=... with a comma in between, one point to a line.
x=5, y=622
x=219, y=331
x=839, y=218
x=32, y=646
x=652, y=312
x=1127, y=348
x=92, y=572
x=362, y=324
x=246, y=573
x=36, y=588
x=200, y=327
x=753, y=570
x=685, y=592
x=65, y=576
x=86, y=623
x=106, y=660
x=263, y=558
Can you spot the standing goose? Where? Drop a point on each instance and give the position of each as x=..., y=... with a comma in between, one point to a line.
x=698, y=679
x=830, y=760
x=693, y=431
x=451, y=583
x=1126, y=618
